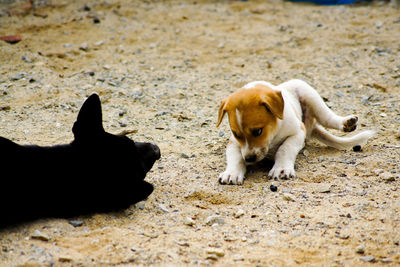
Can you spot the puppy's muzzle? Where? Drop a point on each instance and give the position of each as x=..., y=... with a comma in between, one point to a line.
x=250, y=159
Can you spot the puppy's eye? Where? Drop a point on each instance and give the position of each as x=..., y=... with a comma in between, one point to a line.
x=236, y=135
x=257, y=132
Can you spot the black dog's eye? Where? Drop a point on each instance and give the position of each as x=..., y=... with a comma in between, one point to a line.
x=256, y=132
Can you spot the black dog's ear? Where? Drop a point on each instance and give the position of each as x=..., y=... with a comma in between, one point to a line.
x=90, y=120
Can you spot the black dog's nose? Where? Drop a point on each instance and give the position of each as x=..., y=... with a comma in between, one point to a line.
x=156, y=150
x=251, y=158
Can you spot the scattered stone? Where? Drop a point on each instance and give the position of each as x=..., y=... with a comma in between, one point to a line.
x=288, y=197
x=183, y=243
x=239, y=213
x=40, y=236
x=140, y=205
x=360, y=249
x=76, y=223
x=84, y=47
x=65, y=258
x=324, y=188
x=387, y=177
x=283, y=230
x=11, y=39
x=229, y=238
x=99, y=43
x=96, y=20
x=18, y=77
x=189, y=221
x=163, y=208
x=135, y=249
x=215, y=219
x=343, y=236
x=215, y=251
x=212, y=257
x=238, y=257
x=5, y=108
x=86, y=8
x=185, y=156
x=367, y=258
x=273, y=188
x=151, y=235
x=357, y=148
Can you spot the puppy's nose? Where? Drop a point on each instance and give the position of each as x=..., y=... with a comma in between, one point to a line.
x=251, y=158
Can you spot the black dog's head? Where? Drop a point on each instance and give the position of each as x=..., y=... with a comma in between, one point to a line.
x=90, y=137
x=96, y=172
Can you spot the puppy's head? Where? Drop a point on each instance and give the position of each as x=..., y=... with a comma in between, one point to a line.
x=253, y=118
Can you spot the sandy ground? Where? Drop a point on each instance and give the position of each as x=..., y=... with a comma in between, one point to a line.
x=161, y=68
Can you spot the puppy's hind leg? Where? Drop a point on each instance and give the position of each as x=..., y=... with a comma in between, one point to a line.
x=311, y=101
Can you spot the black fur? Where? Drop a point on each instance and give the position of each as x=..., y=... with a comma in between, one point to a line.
x=96, y=172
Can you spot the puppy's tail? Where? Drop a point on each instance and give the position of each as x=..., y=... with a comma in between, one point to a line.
x=331, y=140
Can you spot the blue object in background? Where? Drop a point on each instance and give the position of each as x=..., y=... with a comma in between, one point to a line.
x=328, y=2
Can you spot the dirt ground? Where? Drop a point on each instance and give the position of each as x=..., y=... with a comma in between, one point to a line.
x=161, y=68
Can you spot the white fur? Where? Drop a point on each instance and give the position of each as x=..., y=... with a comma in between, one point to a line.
x=291, y=133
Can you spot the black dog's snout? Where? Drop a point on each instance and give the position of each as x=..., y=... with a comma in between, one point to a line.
x=251, y=158
x=156, y=150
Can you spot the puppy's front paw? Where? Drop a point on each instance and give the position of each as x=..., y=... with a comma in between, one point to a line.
x=281, y=173
x=350, y=123
x=232, y=177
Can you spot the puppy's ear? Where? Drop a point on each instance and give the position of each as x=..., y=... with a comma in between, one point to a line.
x=90, y=120
x=274, y=103
x=221, y=111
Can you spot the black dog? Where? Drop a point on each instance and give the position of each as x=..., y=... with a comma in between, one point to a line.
x=96, y=172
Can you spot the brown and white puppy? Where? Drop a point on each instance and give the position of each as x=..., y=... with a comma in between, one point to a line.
x=275, y=121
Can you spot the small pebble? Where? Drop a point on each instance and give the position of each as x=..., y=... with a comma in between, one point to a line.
x=238, y=257
x=185, y=156
x=367, y=258
x=289, y=197
x=65, y=258
x=11, y=39
x=360, y=249
x=273, y=188
x=76, y=223
x=215, y=251
x=324, y=188
x=84, y=47
x=357, y=148
x=96, y=20
x=214, y=219
x=239, y=213
x=163, y=208
x=189, y=221
x=40, y=236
